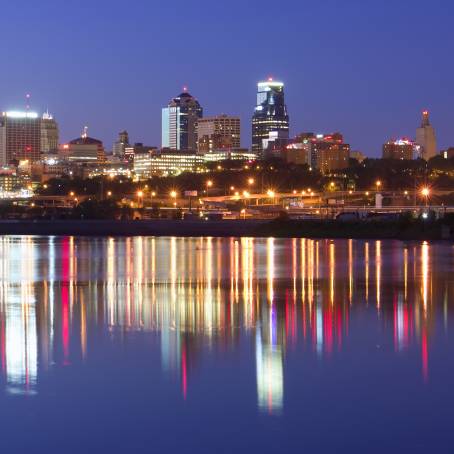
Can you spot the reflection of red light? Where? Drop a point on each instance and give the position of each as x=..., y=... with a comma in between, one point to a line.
x=425, y=357
x=28, y=148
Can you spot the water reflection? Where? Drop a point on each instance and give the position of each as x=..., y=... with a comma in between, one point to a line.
x=58, y=294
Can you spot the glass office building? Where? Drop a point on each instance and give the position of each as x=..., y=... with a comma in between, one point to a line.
x=270, y=115
x=179, y=123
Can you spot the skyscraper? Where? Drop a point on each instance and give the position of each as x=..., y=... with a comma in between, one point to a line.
x=49, y=134
x=121, y=144
x=220, y=132
x=20, y=137
x=425, y=138
x=179, y=122
x=270, y=115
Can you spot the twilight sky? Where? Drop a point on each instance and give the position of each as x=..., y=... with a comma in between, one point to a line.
x=364, y=67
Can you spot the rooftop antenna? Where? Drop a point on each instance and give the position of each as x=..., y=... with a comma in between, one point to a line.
x=27, y=102
x=85, y=132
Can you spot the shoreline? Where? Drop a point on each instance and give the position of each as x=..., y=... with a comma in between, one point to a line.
x=436, y=230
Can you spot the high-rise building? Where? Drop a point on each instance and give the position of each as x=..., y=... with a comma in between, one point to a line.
x=403, y=149
x=20, y=137
x=49, y=134
x=121, y=144
x=179, y=122
x=326, y=152
x=425, y=138
x=270, y=115
x=217, y=133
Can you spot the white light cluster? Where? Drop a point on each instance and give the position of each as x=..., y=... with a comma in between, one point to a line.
x=19, y=114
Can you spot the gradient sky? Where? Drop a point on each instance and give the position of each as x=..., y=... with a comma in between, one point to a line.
x=366, y=68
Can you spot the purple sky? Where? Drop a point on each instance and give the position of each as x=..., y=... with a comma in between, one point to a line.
x=366, y=68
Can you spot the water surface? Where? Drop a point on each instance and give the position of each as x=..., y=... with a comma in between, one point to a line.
x=225, y=345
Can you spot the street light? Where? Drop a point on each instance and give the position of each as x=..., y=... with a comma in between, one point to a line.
x=425, y=192
x=251, y=181
x=209, y=184
x=378, y=184
x=109, y=193
x=139, y=197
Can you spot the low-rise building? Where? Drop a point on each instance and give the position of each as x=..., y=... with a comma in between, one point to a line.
x=239, y=154
x=83, y=150
x=167, y=162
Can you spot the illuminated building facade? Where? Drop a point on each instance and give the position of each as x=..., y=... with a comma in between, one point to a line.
x=426, y=139
x=20, y=137
x=325, y=152
x=270, y=115
x=402, y=149
x=167, y=162
x=179, y=122
x=219, y=132
x=137, y=149
x=49, y=134
x=240, y=154
x=82, y=150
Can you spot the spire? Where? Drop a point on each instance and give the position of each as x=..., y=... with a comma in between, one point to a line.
x=84, y=134
x=425, y=119
x=27, y=102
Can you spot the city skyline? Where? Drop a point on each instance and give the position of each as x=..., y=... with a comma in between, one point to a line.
x=343, y=84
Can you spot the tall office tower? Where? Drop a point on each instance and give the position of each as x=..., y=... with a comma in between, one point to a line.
x=270, y=115
x=220, y=132
x=179, y=122
x=20, y=137
x=402, y=149
x=49, y=134
x=121, y=144
x=425, y=138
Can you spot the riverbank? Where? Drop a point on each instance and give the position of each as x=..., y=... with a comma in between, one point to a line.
x=414, y=230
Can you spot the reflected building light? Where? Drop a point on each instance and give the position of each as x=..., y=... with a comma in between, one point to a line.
x=21, y=348
x=270, y=375
x=83, y=328
x=303, y=270
x=401, y=323
x=405, y=273
x=366, y=269
x=270, y=269
x=425, y=356
x=332, y=261
x=350, y=271
x=294, y=266
x=378, y=272
x=425, y=275
x=319, y=327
